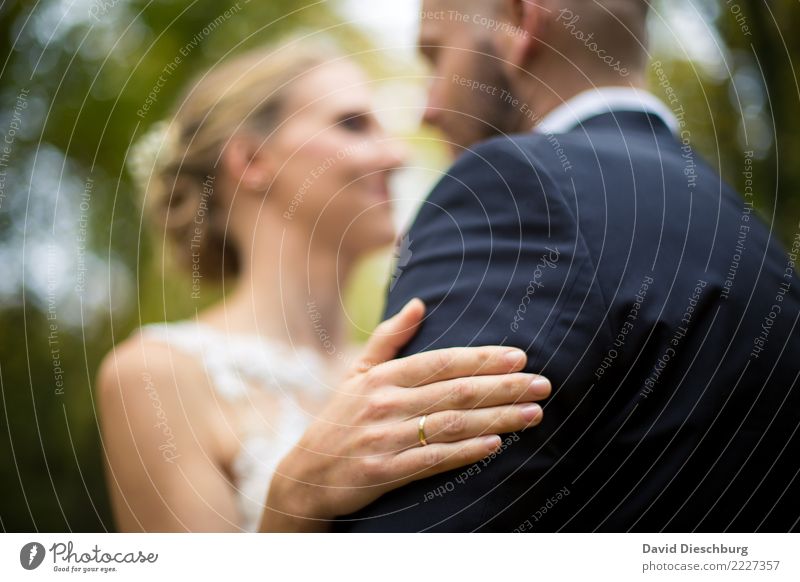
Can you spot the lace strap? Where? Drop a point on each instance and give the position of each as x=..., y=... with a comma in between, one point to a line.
x=207, y=347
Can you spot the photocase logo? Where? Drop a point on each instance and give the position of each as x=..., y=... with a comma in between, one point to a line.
x=402, y=256
x=31, y=555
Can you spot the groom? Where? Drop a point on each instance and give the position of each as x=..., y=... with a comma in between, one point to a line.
x=590, y=234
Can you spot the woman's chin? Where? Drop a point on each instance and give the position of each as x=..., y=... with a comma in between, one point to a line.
x=376, y=238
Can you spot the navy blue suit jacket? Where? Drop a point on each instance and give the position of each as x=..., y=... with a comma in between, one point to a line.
x=659, y=305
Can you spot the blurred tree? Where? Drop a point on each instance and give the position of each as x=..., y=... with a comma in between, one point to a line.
x=734, y=76
x=773, y=49
x=78, y=272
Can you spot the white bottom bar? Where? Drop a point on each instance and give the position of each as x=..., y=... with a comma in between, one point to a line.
x=406, y=558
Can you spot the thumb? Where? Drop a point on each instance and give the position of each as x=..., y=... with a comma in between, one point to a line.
x=391, y=335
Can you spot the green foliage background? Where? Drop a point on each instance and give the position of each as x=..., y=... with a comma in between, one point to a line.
x=85, y=74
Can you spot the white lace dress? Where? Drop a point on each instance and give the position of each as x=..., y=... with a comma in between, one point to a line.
x=244, y=370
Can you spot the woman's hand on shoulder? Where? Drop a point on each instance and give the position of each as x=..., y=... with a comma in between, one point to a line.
x=367, y=441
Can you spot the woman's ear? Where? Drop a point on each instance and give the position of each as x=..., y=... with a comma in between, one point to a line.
x=522, y=40
x=247, y=162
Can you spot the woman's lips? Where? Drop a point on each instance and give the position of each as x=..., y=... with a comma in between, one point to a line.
x=381, y=191
x=383, y=194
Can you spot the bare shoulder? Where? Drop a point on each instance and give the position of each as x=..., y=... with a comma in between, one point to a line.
x=158, y=432
x=141, y=373
x=138, y=357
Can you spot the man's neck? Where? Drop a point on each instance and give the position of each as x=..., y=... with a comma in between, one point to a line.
x=542, y=97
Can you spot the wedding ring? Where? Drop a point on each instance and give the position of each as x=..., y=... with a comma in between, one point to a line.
x=421, y=430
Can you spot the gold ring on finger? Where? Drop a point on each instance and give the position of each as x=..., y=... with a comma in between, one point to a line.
x=421, y=430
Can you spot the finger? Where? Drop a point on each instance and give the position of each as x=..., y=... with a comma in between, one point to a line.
x=456, y=425
x=391, y=335
x=449, y=363
x=474, y=392
x=422, y=462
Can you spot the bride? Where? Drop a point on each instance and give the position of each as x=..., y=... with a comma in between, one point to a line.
x=254, y=415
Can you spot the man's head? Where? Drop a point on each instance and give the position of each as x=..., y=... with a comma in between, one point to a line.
x=500, y=65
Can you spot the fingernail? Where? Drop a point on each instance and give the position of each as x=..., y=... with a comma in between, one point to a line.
x=515, y=357
x=531, y=411
x=540, y=385
x=492, y=442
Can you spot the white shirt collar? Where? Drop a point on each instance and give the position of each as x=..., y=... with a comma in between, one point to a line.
x=601, y=100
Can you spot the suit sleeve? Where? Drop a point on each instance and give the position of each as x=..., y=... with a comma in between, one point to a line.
x=497, y=256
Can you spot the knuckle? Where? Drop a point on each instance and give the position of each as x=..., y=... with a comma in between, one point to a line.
x=453, y=423
x=370, y=439
x=375, y=377
x=465, y=454
x=405, y=368
x=489, y=357
x=378, y=407
x=512, y=383
x=373, y=469
x=489, y=354
x=431, y=457
x=462, y=393
x=443, y=360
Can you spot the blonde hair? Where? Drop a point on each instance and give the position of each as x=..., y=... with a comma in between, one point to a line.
x=176, y=163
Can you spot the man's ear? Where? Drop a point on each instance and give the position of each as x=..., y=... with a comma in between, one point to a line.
x=248, y=163
x=523, y=40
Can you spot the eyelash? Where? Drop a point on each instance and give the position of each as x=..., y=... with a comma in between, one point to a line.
x=355, y=122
